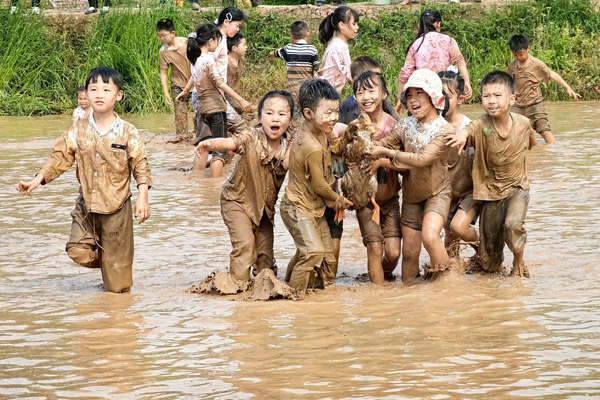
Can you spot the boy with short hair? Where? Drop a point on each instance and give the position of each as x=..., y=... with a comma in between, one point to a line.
x=108, y=151
x=309, y=187
x=236, y=46
x=527, y=72
x=500, y=139
x=173, y=54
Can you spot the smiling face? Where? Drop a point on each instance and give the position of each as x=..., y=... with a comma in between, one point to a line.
x=370, y=99
x=103, y=95
x=419, y=104
x=82, y=100
x=496, y=99
x=275, y=117
x=348, y=29
x=325, y=116
x=231, y=28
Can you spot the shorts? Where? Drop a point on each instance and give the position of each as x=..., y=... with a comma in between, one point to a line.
x=389, y=227
x=217, y=122
x=413, y=213
x=465, y=203
x=335, y=228
x=536, y=114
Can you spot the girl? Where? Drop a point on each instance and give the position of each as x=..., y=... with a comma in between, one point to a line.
x=249, y=195
x=229, y=23
x=426, y=189
x=342, y=25
x=432, y=50
x=210, y=86
x=463, y=209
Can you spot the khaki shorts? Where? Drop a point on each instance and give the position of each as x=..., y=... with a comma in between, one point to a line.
x=389, y=227
x=465, y=203
x=413, y=213
x=536, y=114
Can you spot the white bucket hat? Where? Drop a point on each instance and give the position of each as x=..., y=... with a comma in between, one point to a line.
x=430, y=82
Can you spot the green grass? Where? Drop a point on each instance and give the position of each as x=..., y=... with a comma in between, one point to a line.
x=44, y=60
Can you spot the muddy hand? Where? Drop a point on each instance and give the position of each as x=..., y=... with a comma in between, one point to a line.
x=373, y=167
x=181, y=96
x=202, y=148
x=27, y=187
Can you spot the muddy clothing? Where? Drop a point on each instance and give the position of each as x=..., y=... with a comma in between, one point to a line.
x=336, y=229
x=181, y=111
x=500, y=222
x=413, y=213
x=177, y=60
x=389, y=227
x=234, y=74
x=527, y=77
x=104, y=241
x=105, y=162
x=208, y=81
x=536, y=114
x=499, y=166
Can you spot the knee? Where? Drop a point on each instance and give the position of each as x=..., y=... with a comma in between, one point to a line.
x=375, y=249
x=513, y=224
x=83, y=255
x=429, y=236
x=392, y=254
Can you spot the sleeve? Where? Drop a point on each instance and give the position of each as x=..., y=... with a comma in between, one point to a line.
x=543, y=72
x=425, y=156
x=337, y=143
x=281, y=53
x=341, y=59
x=162, y=61
x=214, y=75
x=394, y=140
x=409, y=66
x=315, y=60
x=314, y=163
x=456, y=57
x=136, y=155
x=62, y=156
x=473, y=129
x=242, y=140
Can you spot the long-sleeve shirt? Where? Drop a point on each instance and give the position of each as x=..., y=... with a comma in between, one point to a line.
x=220, y=57
x=336, y=64
x=105, y=162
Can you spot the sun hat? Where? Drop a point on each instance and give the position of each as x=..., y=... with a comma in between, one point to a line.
x=430, y=82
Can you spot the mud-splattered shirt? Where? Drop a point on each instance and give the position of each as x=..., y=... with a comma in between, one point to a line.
x=234, y=74
x=257, y=176
x=527, y=78
x=499, y=166
x=460, y=167
x=105, y=162
x=79, y=113
x=177, y=59
x=208, y=81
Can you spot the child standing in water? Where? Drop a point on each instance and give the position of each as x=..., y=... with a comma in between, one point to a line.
x=426, y=189
x=210, y=86
x=501, y=139
x=249, y=195
x=83, y=105
x=108, y=151
x=341, y=25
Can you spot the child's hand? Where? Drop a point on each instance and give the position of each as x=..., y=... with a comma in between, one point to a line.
x=376, y=151
x=245, y=105
x=399, y=107
x=574, y=95
x=142, y=208
x=168, y=100
x=457, y=141
x=346, y=204
x=373, y=167
x=202, y=148
x=272, y=53
x=181, y=96
x=27, y=187
x=468, y=91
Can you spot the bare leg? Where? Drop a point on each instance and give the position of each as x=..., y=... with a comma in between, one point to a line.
x=336, y=243
x=548, y=137
x=432, y=227
x=519, y=265
x=374, y=267
x=461, y=226
x=391, y=254
x=200, y=162
x=216, y=169
x=410, y=253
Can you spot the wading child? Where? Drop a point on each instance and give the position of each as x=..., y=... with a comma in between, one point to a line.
x=426, y=190
x=527, y=72
x=236, y=46
x=172, y=55
x=83, y=105
x=309, y=187
x=249, y=195
x=381, y=239
x=108, y=151
x=500, y=139
x=341, y=25
x=463, y=209
x=210, y=87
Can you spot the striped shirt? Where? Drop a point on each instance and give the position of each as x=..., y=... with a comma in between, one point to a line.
x=301, y=60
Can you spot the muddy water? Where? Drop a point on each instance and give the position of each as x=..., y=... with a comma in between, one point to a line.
x=475, y=337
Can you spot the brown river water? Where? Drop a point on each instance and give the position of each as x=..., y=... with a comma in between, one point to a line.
x=460, y=337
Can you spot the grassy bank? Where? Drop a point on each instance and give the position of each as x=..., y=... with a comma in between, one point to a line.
x=44, y=60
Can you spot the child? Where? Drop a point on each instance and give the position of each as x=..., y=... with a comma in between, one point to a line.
x=93, y=7
x=236, y=46
x=432, y=50
x=210, y=86
x=249, y=195
x=426, y=189
x=370, y=91
x=309, y=186
x=341, y=25
x=301, y=59
x=83, y=105
x=108, y=151
x=349, y=109
x=527, y=72
x=500, y=139
x=463, y=209
x=173, y=54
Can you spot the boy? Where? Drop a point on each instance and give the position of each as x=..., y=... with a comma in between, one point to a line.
x=107, y=150
x=527, y=72
x=83, y=105
x=500, y=139
x=173, y=54
x=309, y=187
x=236, y=46
x=301, y=59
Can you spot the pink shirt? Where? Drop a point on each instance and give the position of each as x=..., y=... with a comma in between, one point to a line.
x=437, y=52
x=220, y=56
x=336, y=64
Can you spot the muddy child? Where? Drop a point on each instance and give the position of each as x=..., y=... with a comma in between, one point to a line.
x=83, y=105
x=500, y=139
x=309, y=187
x=236, y=45
x=108, y=151
x=249, y=195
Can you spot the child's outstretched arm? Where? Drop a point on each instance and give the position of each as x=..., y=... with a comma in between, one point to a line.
x=558, y=79
x=425, y=156
x=27, y=187
x=218, y=144
x=385, y=163
x=245, y=105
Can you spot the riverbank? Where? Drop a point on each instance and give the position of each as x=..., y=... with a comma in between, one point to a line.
x=44, y=60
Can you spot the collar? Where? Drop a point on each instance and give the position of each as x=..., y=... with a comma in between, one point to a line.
x=115, y=128
x=268, y=157
x=300, y=41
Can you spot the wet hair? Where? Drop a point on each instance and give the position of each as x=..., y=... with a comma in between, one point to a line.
x=81, y=89
x=362, y=64
x=330, y=24
x=500, y=77
x=299, y=29
x=230, y=14
x=234, y=41
x=106, y=74
x=313, y=90
x=204, y=33
x=454, y=81
x=165, y=24
x=369, y=80
x=426, y=24
x=518, y=42
x=277, y=93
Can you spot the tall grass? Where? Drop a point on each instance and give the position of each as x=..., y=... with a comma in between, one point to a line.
x=44, y=60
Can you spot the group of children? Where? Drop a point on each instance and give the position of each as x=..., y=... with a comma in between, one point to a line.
x=450, y=170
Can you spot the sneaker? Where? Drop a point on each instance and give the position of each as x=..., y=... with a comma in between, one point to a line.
x=35, y=11
x=319, y=3
x=195, y=6
x=90, y=10
x=13, y=10
x=104, y=9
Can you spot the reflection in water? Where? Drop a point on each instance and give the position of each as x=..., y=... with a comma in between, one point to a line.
x=482, y=337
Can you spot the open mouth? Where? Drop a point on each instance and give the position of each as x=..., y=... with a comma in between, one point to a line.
x=275, y=129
